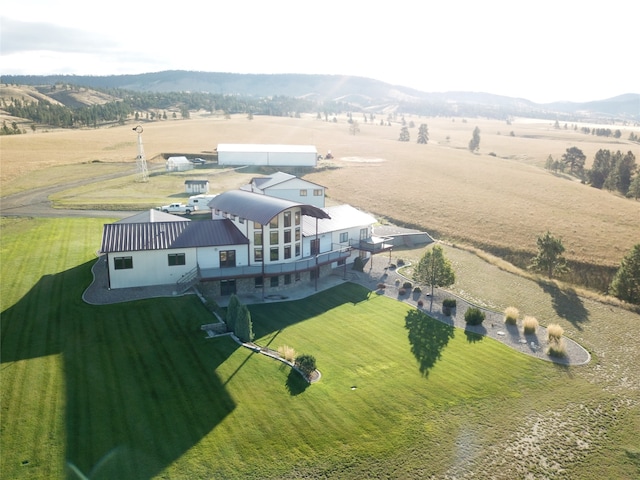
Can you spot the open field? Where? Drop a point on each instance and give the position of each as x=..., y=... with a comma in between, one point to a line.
x=498, y=203
x=135, y=391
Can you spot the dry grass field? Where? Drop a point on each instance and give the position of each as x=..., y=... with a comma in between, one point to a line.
x=499, y=199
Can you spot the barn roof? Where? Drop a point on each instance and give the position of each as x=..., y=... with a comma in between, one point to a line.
x=132, y=237
x=259, y=208
x=262, y=148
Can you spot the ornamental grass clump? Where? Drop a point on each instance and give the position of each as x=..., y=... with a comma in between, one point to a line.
x=287, y=352
x=557, y=347
x=530, y=325
x=511, y=315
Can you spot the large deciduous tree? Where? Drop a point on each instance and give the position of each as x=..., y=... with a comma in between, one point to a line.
x=434, y=269
x=626, y=282
x=549, y=259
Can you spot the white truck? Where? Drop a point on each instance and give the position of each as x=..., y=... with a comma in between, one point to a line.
x=200, y=201
x=180, y=208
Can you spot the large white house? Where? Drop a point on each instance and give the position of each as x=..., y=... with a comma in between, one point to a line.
x=289, y=187
x=252, y=241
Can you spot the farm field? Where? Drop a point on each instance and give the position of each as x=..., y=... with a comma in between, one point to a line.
x=136, y=391
x=497, y=203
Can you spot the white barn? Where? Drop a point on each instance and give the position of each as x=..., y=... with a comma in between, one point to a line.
x=269, y=155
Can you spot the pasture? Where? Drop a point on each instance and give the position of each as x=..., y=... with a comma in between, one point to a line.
x=498, y=200
x=136, y=391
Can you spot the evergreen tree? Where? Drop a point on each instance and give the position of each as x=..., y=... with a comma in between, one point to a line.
x=243, y=324
x=549, y=259
x=404, y=134
x=474, y=143
x=423, y=134
x=232, y=312
x=626, y=283
x=574, y=158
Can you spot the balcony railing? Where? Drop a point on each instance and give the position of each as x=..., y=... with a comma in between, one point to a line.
x=305, y=264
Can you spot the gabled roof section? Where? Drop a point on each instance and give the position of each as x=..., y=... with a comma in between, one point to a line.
x=259, y=208
x=133, y=237
x=342, y=217
x=153, y=216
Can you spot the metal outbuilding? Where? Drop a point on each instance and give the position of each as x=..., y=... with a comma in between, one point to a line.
x=270, y=155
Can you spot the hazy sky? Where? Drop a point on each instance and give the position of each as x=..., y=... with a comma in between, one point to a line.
x=539, y=50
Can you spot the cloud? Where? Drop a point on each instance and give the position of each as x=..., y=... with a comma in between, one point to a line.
x=20, y=37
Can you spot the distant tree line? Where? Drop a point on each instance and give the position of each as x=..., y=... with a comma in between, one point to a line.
x=614, y=171
x=130, y=103
x=602, y=132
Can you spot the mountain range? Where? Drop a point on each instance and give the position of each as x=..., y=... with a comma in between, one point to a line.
x=357, y=93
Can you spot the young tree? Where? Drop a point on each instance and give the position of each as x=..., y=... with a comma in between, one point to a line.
x=243, y=324
x=626, y=283
x=354, y=127
x=549, y=259
x=423, y=134
x=434, y=269
x=404, y=134
x=474, y=143
x=232, y=312
x=575, y=159
x=306, y=364
x=634, y=188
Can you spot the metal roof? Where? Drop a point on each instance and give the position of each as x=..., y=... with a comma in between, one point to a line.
x=153, y=216
x=341, y=217
x=263, y=148
x=132, y=237
x=259, y=208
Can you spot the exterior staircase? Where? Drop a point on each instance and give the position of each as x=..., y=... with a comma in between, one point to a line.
x=188, y=280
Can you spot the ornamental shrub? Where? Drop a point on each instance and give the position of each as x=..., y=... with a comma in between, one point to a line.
x=306, y=364
x=529, y=324
x=407, y=285
x=511, y=315
x=417, y=290
x=474, y=316
x=449, y=303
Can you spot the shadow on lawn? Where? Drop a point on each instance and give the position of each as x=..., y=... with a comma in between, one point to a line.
x=140, y=385
x=427, y=337
x=567, y=304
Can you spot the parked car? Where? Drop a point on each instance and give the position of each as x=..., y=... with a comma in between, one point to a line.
x=198, y=161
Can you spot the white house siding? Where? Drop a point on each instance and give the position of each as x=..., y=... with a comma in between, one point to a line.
x=209, y=257
x=150, y=267
x=293, y=190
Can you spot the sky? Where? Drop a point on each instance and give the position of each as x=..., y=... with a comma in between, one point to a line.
x=539, y=50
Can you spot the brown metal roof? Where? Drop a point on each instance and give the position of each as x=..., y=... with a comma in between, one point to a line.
x=259, y=208
x=132, y=237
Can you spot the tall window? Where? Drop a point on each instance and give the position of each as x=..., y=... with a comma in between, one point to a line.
x=275, y=281
x=364, y=233
x=344, y=237
x=257, y=254
x=297, y=249
x=273, y=238
x=257, y=237
x=258, y=282
x=287, y=219
x=287, y=236
x=297, y=234
x=227, y=287
x=227, y=258
x=287, y=251
x=176, y=259
x=274, y=254
x=297, y=217
x=274, y=222
x=122, y=263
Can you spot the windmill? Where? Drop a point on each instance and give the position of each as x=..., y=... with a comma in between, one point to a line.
x=141, y=161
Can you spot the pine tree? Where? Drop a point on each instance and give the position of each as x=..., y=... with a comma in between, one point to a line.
x=474, y=143
x=404, y=134
x=549, y=259
x=423, y=134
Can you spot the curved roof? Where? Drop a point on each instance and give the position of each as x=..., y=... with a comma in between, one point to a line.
x=259, y=208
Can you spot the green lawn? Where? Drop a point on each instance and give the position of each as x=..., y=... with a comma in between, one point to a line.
x=136, y=391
